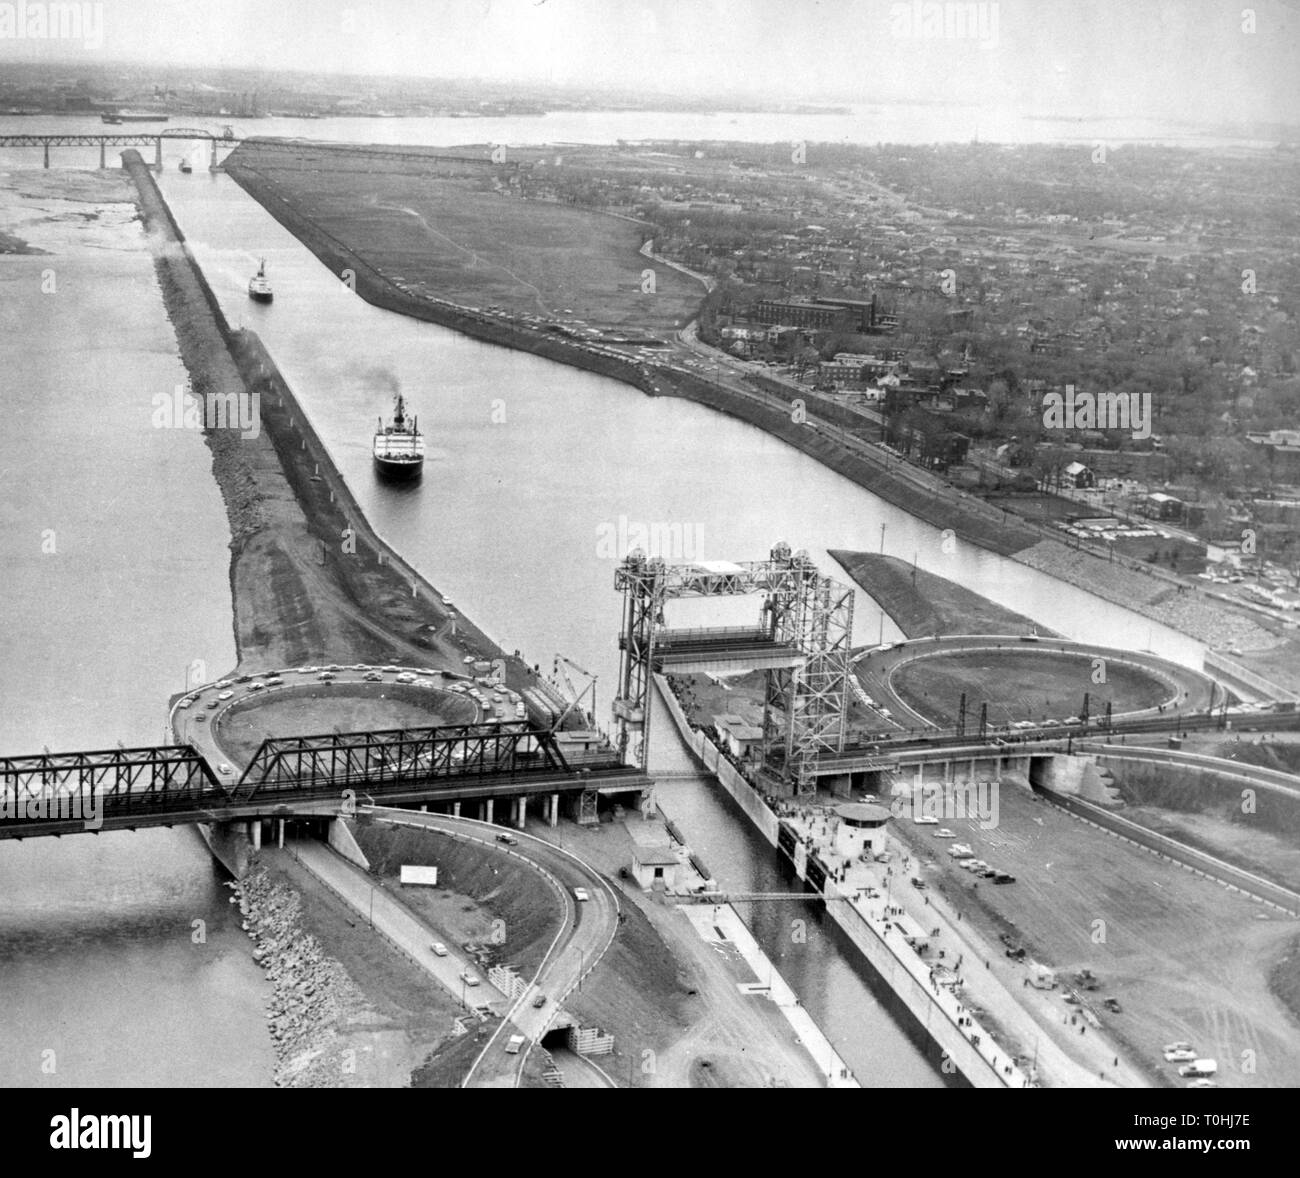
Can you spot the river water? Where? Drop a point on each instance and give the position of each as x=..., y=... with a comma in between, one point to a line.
x=532, y=467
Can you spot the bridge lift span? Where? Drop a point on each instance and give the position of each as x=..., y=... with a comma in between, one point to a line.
x=802, y=643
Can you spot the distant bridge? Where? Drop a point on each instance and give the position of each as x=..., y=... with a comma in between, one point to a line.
x=155, y=137
x=126, y=789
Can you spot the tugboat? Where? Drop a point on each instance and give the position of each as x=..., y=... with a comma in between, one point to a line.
x=399, y=448
x=185, y=166
x=259, y=286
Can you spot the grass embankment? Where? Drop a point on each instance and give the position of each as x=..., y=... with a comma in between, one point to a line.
x=454, y=228
x=922, y=604
x=300, y=594
x=486, y=900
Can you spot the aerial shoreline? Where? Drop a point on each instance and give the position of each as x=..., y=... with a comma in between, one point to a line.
x=1159, y=598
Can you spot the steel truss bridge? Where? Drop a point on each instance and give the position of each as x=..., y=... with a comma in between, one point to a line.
x=116, y=789
x=156, y=137
x=802, y=644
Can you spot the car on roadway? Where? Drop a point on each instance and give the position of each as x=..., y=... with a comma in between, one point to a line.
x=581, y=895
x=374, y=677
x=926, y=820
x=1050, y=723
x=226, y=695
x=225, y=770
x=1021, y=725
x=257, y=687
x=325, y=676
x=1202, y=1083
x=944, y=833
x=213, y=704
x=513, y=1044
x=1005, y=877
x=184, y=703
x=1180, y=1055
x=244, y=679
x=469, y=978
x=406, y=677
x=308, y=670
x=391, y=670
x=506, y=837
x=438, y=949
x=274, y=681
x=361, y=666
x=539, y=1001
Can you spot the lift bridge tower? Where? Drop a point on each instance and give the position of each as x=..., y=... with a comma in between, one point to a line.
x=801, y=642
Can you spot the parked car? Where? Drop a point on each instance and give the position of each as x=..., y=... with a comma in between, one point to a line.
x=926, y=820
x=539, y=1001
x=1003, y=877
x=469, y=978
x=438, y=949
x=513, y=1044
x=580, y=894
x=1112, y=1004
x=506, y=837
x=944, y=833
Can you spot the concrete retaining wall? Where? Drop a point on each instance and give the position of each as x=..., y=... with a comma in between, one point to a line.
x=708, y=755
x=882, y=957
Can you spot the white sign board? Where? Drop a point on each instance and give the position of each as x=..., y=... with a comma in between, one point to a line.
x=419, y=875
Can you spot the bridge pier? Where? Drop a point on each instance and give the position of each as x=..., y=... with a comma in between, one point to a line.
x=47, y=155
x=553, y=810
x=157, y=154
x=279, y=834
x=103, y=156
x=255, y=833
x=521, y=811
x=487, y=809
x=455, y=809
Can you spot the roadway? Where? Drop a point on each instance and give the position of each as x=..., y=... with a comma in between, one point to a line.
x=586, y=933
x=1189, y=691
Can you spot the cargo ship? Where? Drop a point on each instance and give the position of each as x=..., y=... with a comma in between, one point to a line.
x=399, y=448
x=259, y=286
x=134, y=116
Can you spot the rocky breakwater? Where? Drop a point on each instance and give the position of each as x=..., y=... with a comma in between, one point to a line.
x=312, y=996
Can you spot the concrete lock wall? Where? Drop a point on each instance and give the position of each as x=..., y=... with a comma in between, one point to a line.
x=965, y=1058
x=713, y=760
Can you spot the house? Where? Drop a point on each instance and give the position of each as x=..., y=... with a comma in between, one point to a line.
x=1077, y=475
x=740, y=738
x=1158, y=505
x=653, y=859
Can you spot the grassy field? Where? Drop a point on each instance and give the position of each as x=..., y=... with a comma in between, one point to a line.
x=463, y=237
x=1022, y=685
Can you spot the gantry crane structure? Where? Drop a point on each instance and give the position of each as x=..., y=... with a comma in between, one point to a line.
x=802, y=643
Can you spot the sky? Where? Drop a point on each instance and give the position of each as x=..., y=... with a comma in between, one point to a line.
x=1169, y=58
